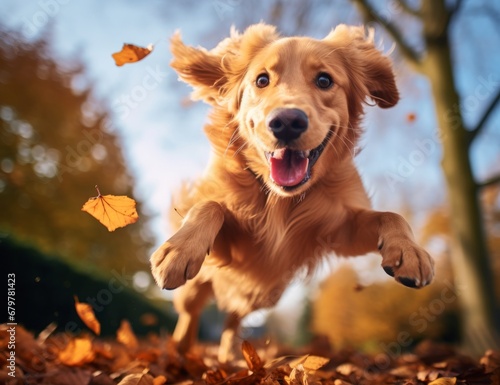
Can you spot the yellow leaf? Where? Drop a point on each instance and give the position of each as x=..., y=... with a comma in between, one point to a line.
x=125, y=335
x=315, y=362
x=310, y=362
x=444, y=381
x=86, y=314
x=78, y=352
x=131, y=53
x=112, y=211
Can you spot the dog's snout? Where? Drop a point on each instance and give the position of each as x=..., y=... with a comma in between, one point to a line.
x=287, y=124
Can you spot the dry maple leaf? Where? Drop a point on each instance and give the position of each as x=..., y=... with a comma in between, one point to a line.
x=137, y=379
x=112, y=211
x=125, y=335
x=297, y=376
x=309, y=362
x=86, y=314
x=131, y=53
x=78, y=352
x=252, y=359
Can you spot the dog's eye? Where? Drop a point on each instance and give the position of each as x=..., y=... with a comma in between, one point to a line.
x=324, y=81
x=262, y=80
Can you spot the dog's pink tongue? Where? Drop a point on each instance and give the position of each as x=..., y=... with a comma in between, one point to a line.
x=288, y=168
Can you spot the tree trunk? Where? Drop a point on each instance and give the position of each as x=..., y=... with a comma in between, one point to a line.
x=470, y=259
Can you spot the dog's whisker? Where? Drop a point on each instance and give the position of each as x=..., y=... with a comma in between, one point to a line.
x=234, y=137
x=239, y=149
x=345, y=141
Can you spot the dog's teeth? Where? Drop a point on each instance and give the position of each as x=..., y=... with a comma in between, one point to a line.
x=307, y=153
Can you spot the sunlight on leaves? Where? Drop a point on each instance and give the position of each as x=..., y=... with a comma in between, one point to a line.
x=78, y=352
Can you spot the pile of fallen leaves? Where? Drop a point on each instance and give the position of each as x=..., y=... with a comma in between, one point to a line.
x=61, y=358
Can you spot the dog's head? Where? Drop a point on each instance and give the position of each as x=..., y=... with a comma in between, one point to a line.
x=296, y=101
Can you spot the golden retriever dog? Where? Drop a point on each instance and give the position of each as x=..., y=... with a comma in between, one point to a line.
x=281, y=191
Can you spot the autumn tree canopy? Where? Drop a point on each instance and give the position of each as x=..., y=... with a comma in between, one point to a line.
x=57, y=142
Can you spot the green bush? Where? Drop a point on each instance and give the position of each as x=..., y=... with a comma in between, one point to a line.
x=46, y=287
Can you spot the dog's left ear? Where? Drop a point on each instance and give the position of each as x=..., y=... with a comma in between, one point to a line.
x=371, y=72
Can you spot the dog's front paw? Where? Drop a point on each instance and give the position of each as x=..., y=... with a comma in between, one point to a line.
x=174, y=262
x=407, y=262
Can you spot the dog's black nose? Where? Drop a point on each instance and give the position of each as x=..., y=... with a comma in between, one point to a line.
x=287, y=124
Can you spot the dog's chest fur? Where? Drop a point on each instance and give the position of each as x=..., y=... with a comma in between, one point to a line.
x=266, y=252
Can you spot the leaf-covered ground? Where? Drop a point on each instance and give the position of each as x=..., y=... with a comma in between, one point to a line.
x=58, y=359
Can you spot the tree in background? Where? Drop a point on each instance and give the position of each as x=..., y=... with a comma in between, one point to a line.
x=470, y=257
x=384, y=317
x=56, y=144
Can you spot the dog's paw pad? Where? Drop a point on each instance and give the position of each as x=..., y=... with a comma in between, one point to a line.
x=408, y=263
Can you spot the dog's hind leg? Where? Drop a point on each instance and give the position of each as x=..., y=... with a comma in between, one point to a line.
x=189, y=303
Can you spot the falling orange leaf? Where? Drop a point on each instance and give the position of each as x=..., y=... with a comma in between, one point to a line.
x=78, y=352
x=131, y=53
x=411, y=117
x=125, y=335
x=86, y=314
x=112, y=211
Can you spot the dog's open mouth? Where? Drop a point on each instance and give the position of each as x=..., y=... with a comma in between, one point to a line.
x=292, y=168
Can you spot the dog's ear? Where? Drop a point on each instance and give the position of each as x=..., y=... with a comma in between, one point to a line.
x=199, y=68
x=215, y=75
x=371, y=72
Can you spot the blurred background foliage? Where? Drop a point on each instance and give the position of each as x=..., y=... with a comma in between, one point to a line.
x=57, y=142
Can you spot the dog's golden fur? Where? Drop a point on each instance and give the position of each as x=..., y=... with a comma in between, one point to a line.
x=245, y=236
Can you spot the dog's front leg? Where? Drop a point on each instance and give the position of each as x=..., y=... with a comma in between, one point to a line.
x=180, y=258
x=388, y=232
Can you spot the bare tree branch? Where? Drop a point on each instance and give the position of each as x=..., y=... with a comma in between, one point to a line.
x=370, y=15
x=456, y=8
x=488, y=182
x=452, y=12
x=408, y=9
x=482, y=122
